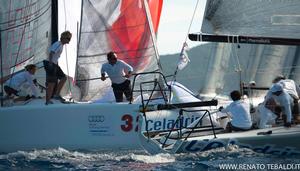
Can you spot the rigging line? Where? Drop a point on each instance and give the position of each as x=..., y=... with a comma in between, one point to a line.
x=236, y=55
x=66, y=49
x=1, y=65
x=23, y=61
x=65, y=13
x=234, y=51
x=186, y=37
x=18, y=52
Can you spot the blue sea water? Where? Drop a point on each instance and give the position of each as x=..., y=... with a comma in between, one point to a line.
x=62, y=159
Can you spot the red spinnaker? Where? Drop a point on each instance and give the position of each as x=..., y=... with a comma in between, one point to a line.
x=130, y=33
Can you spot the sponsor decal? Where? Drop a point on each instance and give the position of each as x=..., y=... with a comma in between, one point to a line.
x=97, y=126
x=203, y=145
x=130, y=124
x=166, y=123
x=257, y=40
x=96, y=118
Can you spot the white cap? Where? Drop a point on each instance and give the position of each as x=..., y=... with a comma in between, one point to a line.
x=252, y=83
x=276, y=87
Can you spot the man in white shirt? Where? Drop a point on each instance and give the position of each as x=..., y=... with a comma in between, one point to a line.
x=239, y=111
x=53, y=71
x=283, y=99
x=118, y=71
x=293, y=90
x=289, y=86
x=14, y=84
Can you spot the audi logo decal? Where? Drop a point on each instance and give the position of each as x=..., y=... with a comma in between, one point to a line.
x=96, y=118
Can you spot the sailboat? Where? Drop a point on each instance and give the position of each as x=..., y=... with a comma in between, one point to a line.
x=126, y=27
x=261, y=39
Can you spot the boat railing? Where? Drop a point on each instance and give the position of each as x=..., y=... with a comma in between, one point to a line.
x=159, y=84
x=157, y=87
x=191, y=129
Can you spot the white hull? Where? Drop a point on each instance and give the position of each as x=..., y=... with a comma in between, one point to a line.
x=282, y=141
x=74, y=126
x=102, y=126
x=85, y=126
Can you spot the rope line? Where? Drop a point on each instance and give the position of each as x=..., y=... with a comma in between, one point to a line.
x=186, y=37
x=66, y=50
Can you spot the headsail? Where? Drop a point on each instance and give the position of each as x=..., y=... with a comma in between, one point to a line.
x=119, y=26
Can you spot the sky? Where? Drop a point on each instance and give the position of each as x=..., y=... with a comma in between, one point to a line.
x=175, y=19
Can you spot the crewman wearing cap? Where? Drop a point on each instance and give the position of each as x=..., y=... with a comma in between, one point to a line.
x=283, y=99
x=293, y=90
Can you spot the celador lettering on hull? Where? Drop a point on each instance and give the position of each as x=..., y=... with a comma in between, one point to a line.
x=163, y=124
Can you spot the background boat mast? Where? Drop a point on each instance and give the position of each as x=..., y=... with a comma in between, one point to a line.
x=1, y=68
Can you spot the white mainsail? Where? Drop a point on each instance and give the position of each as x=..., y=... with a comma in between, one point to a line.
x=25, y=33
x=231, y=63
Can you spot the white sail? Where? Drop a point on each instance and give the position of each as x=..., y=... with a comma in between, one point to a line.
x=119, y=26
x=25, y=33
x=230, y=64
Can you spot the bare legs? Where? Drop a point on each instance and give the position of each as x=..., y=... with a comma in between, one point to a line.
x=60, y=86
x=50, y=89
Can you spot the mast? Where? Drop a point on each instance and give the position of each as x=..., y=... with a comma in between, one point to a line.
x=244, y=39
x=54, y=22
x=1, y=68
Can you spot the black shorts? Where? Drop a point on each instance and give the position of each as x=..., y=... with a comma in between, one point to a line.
x=120, y=89
x=9, y=91
x=233, y=128
x=53, y=72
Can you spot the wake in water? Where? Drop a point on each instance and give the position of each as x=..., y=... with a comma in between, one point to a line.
x=61, y=159
x=66, y=160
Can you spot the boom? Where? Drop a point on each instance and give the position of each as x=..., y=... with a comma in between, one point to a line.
x=244, y=39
